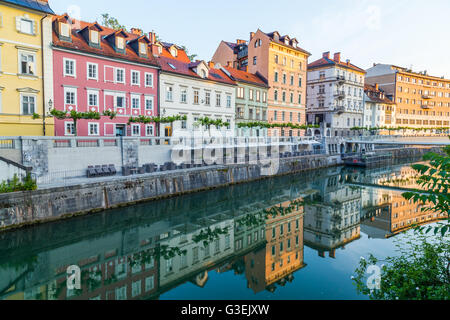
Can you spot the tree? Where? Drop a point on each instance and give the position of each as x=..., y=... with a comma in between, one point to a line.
x=190, y=56
x=75, y=116
x=422, y=269
x=111, y=22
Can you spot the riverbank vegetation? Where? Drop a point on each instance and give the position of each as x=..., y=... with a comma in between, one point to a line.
x=15, y=184
x=421, y=270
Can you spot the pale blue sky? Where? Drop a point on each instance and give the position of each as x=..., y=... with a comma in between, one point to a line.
x=401, y=32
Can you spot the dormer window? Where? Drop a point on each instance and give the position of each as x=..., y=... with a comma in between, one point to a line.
x=120, y=43
x=64, y=30
x=204, y=75
x=94, y=37
x=174, y=52
x=142, y=48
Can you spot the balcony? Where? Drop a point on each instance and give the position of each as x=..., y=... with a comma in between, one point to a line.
x=426, y=97
x=340, y=95
x=424, y=106
x=339, y=109
x=340, y=80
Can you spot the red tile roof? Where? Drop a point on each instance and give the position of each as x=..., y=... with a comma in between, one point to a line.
x=376, y=95
x=330, y=62
x=281, y=41
x=79, y=43
x=242, y=76
x=186, y=68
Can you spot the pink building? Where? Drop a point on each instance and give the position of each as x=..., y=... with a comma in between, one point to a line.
x=97, y=69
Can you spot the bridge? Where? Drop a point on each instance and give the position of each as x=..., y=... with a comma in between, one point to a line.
x=401, y=141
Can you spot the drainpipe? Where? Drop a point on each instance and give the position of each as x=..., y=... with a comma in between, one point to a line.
x=159, y=102
x=43, y=80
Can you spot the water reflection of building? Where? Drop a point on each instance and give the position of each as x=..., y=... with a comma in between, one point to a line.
x=201, y=245
x=398, y=215
x=332, y=220
x=275, y=263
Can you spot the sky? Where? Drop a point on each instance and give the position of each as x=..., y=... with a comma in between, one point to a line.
x=408, y=33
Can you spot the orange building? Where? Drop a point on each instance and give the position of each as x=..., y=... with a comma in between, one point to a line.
x=283, y=64
x=423, y=101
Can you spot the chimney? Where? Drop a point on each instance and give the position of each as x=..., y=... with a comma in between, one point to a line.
x=348, y=61
x=326, y=55
x=377, y=86
x=239, y=41
x=252, y=34
x=337, y=57
x=152, y=37
x=211, y=65
x=246, y=69
x=136, y=31
x=229, y=64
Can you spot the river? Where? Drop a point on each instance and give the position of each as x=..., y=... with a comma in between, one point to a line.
x=291, y=237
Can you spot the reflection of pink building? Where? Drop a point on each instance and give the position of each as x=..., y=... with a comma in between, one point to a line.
x=97, y=69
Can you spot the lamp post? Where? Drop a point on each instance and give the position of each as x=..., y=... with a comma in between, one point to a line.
x=50, y=104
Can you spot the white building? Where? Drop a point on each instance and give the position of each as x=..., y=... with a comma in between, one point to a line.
x=379, y=111
x=335, y=93
x=194, y=89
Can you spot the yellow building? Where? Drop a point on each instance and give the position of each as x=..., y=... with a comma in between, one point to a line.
x=26, y=73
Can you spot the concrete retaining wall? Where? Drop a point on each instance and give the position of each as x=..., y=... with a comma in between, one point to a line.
x=23, y=208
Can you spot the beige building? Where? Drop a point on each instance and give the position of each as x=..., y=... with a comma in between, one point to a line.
x=423, y=101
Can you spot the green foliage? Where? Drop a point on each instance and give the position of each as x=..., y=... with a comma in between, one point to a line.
x=144, y=119
x=419, y=272
x=35, y=116
x=190, y=56
x=259, y=124
x=75, y=115
x=14, y=185
x=218, y=123
x=112, y=22
x=434, y=179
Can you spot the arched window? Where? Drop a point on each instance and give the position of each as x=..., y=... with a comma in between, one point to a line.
x=276, y=95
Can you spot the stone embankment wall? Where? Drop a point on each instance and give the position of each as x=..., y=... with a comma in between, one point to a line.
x=25, y=208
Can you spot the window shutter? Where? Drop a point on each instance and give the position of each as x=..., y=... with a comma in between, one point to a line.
x=35, y=32
x=18, y=19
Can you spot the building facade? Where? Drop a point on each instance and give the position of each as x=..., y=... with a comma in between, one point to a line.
x=379, y=111
x=193, y=89
x=251, y=101
x=423, y=101
x=97, y=69
x=25, y=68
x=335, y=95
x=282, y=63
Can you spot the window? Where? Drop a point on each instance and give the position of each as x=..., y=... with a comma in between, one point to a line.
x=120, y=101
x=120, y=75
x=196, y=96
x=136, y=130
x=135, y=102
x=92, y=99
x=93, y=129
x=250, y=94
x=284, y=96
x=92, y=71
x=276, y=58
x=94, y=37
x=258, y=95
x=292, y=98
x=183, y=97
x=276, y=76
x=264, y=97
x=218, y=99
x=26, y=26
x=136, y=288
x=142, y=48
x=254, y=61
x=135, y=78
x=275, y=115
x=70, y=95
x=28, y=104
x=120, y=42
x=65, y=30
x=169, y=93
x=300, y=82
x=69, y=68
x=228, y=101
x=292, y=80
x=149, y=130
x=299, y=98
x=284, y=78
x=149, y=80
x=283, y=117
x=275, y=95
x=207, y=98
x=240, y=93
x=69, y=128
